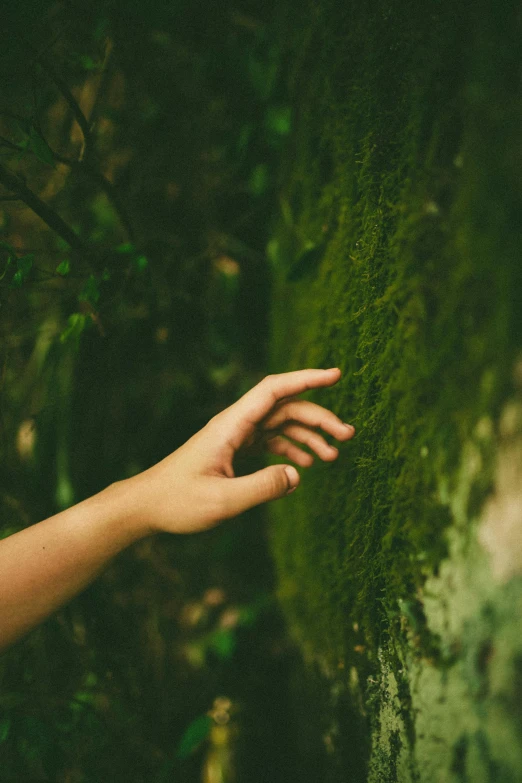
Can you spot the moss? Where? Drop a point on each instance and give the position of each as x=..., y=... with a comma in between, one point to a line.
x=402, y=177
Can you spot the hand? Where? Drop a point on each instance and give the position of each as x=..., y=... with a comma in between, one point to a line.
x=195, y=487
x=45, y=565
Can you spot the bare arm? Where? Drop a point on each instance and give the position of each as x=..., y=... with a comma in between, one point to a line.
x=193, y=489
x=45, y=565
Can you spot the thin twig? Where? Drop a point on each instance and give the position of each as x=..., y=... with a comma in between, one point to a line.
x=103, y=183
x=40, y=208
x=91, y=171
x=58, y=35
x=85, y=127
x=63, y=87
x=6, y=143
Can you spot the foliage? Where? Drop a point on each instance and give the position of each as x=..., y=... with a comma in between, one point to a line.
x=198, y=730
x=133, y=293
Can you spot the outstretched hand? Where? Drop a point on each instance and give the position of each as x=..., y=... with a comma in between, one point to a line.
x=44, y=565
x=195, y=487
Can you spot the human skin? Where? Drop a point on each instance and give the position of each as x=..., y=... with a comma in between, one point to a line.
x=191, y=490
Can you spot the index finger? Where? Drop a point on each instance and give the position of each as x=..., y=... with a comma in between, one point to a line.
x=259, y=401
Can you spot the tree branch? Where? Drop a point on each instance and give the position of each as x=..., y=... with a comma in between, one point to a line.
x=71, y=101
x=40, y=208
x=6, y=143
x=90, y=170
x=103, y=183
x=85, y=158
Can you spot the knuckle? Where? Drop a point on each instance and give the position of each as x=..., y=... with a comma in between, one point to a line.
x=215, y=420
x=269, y=386
x=214, y=427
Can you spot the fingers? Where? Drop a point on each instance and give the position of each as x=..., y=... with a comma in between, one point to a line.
x=267, y=484
x=311, y=415
x=283, y=448
x=259, y=401
x=313, y=440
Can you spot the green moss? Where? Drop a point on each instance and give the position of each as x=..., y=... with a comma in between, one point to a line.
x=402, y=175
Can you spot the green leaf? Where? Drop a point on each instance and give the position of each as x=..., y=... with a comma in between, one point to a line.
x=223, y=643
x=24, y=265
x=24, y=146
x=7, y=265
x=248, y=616
x=194, y=735
x=139, y=261
x=91, y=680
x=60, y=243
x=91, y=291
x=84, y=697
x=88, y=63
x=75, y=325
x=17, y=280
x=63, y=268
x=39, y=146
x=105, y=214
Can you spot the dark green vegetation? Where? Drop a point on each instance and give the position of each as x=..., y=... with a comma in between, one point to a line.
x=137, y=155
x=149, y=156
x=396, y=257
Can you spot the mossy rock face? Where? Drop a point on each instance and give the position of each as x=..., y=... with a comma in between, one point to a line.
x=397, y=258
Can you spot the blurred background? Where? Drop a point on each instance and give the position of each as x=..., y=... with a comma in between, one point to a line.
x=139, y=151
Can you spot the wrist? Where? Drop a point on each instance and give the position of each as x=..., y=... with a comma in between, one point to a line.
x=133, y=518
x=120, y=511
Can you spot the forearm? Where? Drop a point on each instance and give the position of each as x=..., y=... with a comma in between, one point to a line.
x=191, y=490
x=47, y=564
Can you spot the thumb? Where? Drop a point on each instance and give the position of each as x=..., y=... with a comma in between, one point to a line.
x=259, y=487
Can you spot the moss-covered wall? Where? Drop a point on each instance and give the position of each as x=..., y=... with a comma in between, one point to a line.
x=397, y=257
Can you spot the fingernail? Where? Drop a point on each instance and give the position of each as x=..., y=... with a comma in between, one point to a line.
x=350, y=426
x=293, y=478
